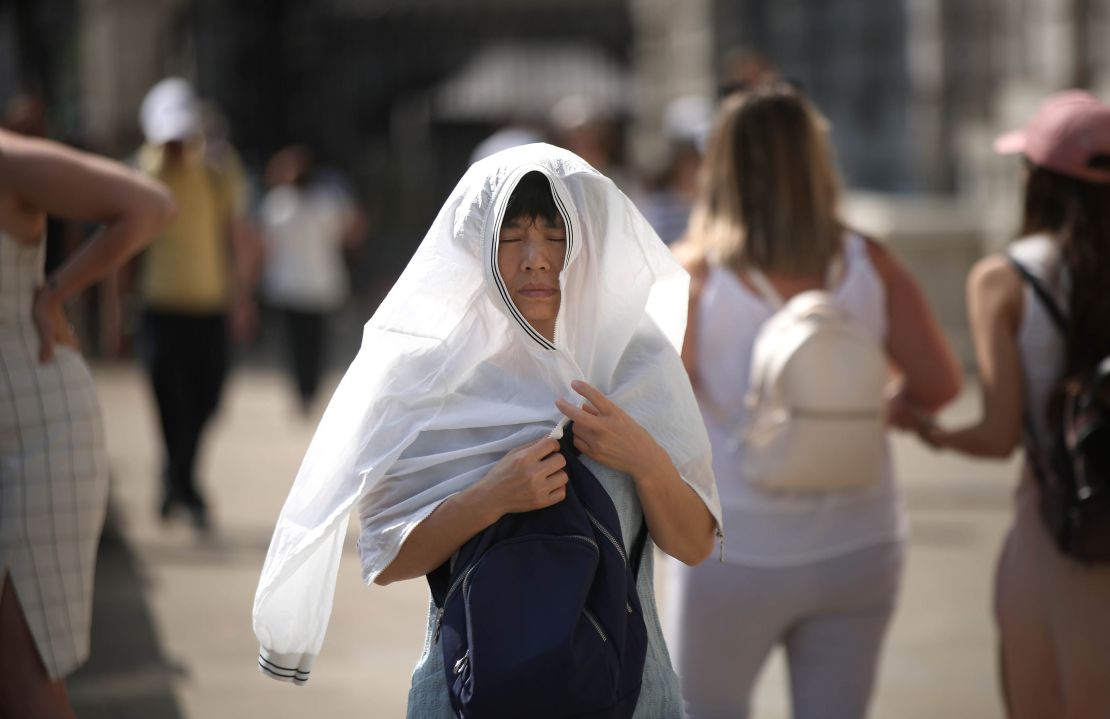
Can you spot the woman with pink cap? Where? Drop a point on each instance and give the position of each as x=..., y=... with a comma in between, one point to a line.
x=1040, y=318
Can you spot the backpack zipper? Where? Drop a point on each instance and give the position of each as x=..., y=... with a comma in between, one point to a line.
x=616, y=545
x=464, y=581
x=608, y=535
x=454, y=585
x=597, y=625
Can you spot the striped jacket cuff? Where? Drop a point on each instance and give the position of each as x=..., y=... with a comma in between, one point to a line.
x=285, y=667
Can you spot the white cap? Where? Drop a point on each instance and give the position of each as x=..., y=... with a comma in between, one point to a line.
x=169, y=112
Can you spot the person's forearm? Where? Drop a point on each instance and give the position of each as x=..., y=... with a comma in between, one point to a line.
x=434, y=540
x=681, y=525
x=97, y=258
x=246, y=249
x=977, y=440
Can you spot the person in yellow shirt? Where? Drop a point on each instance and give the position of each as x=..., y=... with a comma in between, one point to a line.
x=195, y=285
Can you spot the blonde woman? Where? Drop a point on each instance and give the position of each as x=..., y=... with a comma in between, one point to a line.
x=817, y=574
x=53, y=472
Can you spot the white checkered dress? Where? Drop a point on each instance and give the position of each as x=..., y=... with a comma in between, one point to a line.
x=53, y=472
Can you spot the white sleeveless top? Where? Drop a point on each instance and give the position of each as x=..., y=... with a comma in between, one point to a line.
x=1039, y=342
x=761, y=528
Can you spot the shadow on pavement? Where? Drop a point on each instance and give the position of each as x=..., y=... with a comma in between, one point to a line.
x=127, y=676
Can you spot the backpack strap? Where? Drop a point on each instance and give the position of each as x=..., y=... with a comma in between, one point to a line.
x=1044, y=297
x=763, y=286
x=637, y=550
x=1059, y=321
x=834, y=273
x=439, y=581
x=637, y=553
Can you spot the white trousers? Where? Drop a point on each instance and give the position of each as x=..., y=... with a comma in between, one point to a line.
x=830, y=616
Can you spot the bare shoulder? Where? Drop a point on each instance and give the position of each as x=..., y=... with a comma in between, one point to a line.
x=896, y=276
x=10, y=146
x=22, y=222
x=884, y=260
x=993, y=273
x=994, y=288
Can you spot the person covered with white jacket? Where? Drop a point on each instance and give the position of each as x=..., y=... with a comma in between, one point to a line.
x=538, y=295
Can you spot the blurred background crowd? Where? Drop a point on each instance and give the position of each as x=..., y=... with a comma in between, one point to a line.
x=347, y=122
x=393, y=99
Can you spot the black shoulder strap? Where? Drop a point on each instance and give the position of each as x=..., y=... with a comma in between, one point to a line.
x=1042, y=294
x=1032, y=445
x=438, y=581
x=636, y=555
x=638, y=545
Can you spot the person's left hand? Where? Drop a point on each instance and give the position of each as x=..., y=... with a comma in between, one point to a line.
x=605, y=433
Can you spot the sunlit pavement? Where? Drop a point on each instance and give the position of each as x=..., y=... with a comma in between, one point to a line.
x=172, y=632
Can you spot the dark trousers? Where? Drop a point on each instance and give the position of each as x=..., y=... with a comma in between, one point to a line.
x=187, y=357
x=305, y=338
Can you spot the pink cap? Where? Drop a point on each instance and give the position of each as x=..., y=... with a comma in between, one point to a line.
x=1069, y=129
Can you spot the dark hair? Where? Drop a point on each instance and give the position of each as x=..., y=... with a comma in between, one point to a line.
x=532, y=198
x=1077, y=214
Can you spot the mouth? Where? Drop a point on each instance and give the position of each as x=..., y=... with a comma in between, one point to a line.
x=537, y=291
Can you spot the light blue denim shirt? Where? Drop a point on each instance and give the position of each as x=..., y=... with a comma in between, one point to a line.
x=660, y=697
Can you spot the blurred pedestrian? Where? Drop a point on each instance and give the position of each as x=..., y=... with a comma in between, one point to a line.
x=743, y=69
x=196, y=287
x=510, y=134
x=1037, y=338
x=813, y=566
x=668, y=204
x=591, y=129
x=53, y=468
x=533, y=280
x=306, y=226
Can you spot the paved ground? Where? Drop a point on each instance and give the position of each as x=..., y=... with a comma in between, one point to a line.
x=172, y=635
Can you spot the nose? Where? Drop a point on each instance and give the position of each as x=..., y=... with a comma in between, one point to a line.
x=537, y=255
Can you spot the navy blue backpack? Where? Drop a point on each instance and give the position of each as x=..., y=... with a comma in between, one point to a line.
x=538, y=613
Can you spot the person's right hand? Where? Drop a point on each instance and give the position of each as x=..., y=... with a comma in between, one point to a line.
x=51, y=324
x=527, y=478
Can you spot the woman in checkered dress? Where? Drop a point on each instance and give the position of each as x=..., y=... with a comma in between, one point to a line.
x=53, y=471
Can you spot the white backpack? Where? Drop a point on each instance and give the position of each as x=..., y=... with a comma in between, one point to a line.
x=816, y=406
